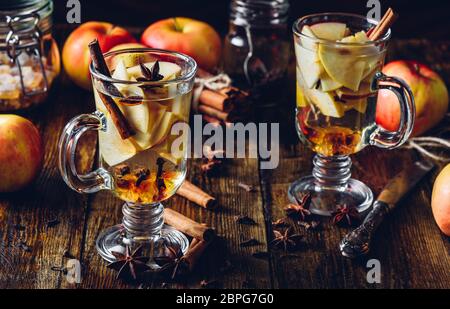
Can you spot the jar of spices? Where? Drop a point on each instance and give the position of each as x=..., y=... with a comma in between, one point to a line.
x=257, y=46
x=29, y=56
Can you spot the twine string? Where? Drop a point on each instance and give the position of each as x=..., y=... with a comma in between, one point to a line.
x=423, y=144
x=214, y=83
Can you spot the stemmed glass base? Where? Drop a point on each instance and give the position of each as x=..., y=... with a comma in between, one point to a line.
x=142, y=225
x=330, y=185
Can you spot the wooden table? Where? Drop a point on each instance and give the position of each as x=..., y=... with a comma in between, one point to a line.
x=412, y=251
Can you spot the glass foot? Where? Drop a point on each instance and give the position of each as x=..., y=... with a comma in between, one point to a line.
x=114, y=239
x=325, y=200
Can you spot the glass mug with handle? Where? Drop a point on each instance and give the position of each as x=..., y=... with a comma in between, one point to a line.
x=152, y=90
x=338, y=79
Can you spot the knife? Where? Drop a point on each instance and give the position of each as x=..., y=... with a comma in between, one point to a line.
x=357, y=242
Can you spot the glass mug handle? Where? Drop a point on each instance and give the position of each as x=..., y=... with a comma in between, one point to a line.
x=93, y=181
x=392, y=139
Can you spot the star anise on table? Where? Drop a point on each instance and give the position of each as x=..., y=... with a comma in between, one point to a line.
x=129, y=265
x=170, y=262
x=286, y=240
x=283, y=222
x=300, y=210
x=347, y=214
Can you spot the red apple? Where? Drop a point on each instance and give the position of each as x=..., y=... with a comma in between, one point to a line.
x=76, y=56
x=430, y=95
x=188, y=36
x=21, y=153
x=440, y=200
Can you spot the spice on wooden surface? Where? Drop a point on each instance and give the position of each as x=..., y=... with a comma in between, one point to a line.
x=129, y=265
x=287, y=240
x=188, y=226
x=194, y=194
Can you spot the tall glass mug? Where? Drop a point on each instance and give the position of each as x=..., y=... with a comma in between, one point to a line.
x=142, y=170
x=338, y=79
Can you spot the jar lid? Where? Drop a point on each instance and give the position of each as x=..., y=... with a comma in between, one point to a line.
x=11, y=5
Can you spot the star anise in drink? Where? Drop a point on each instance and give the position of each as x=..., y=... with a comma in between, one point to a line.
x=346, y=214
x=129, y=264
x=287, y=240
x=150, y=75
x=171, y=262
x=299, y=210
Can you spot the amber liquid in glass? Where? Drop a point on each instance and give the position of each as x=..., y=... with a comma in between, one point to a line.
x=335, y=121
x=145, y=169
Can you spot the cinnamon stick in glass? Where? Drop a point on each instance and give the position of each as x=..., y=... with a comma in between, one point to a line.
x=188, y=226
x=383, y=26
x=119, y=120
x=195, y=194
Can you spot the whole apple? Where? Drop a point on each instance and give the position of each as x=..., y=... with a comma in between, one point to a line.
x=188, y=36
x=76, y=57
x=21, y=153
x=440, y=200
x=430, y=96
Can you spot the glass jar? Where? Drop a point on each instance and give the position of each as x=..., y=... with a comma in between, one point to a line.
x=29, y=56
x=257, y=48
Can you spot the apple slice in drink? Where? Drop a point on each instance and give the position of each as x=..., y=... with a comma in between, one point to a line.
x=113, y=148
x=130, y=59
x=363, y=92
x=156, y=114
x=343, y=64
x=137, y=114
x=173, y=155
x=166, y=69
x=327, y=83
x=309, y=65
x=309, y=42
x=163, y=129
x=307, y=58
x=301, y=99
x=331, y=31
x=326, y=103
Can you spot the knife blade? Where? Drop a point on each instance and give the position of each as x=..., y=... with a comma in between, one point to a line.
x=357, y=242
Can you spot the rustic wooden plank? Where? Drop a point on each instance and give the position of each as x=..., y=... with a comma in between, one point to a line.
x=412, y=251
x=45, y=200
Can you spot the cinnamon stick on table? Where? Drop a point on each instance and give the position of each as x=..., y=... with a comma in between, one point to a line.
x=195, y=251
x=215, y=100
x=188, y=226
x=119, y=120
x=212, y=112
x=197, y=195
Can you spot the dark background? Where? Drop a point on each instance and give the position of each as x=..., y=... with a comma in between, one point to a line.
x=418, y=19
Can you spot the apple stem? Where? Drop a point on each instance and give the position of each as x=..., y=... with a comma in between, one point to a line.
x=177, y=25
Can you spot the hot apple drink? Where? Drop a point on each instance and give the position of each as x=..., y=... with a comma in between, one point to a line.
x=336, y=102
x=144, y=167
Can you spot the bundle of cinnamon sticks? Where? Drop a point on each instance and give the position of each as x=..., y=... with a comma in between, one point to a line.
x=224, y=105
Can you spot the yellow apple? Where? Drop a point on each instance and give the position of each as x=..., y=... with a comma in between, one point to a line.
x=21, y=153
